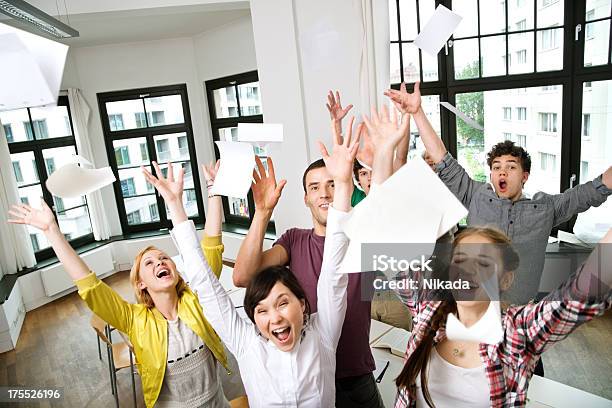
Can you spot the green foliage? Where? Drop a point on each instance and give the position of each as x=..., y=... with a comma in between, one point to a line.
x=472, y=104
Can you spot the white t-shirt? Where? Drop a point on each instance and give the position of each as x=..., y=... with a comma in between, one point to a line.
x=453, y=386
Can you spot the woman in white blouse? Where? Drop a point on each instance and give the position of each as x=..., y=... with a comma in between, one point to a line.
x=286, y=356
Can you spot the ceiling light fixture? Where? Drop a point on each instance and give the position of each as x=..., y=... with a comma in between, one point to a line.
x=20, y=10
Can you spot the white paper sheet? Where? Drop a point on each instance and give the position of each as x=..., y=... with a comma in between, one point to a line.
x=471, y=122
x=487, y=330
x=260, y=132
x=72, y=181
x=236, y=169
x=437, y=31
x=34, y=75
x=412, y=206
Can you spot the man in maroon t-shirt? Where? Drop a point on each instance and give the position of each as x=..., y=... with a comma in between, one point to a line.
x=302, y=250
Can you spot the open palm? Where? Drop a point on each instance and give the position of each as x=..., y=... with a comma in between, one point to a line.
x=404, y=101
x=266, y=192
x=170, y=187
x=42, y=218
x=334, y=106
x=385, y=132
x=339, y=163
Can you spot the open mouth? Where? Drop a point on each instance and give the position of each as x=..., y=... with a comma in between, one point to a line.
x=324, y=206
x=282, y=334
x=162, y=273
x=503, y=184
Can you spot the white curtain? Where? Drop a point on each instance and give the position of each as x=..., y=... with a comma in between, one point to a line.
x=16, y=250
x=374, y=64
x=80, y=111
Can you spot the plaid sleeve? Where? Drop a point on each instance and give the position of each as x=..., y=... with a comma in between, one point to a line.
x=406, y=285
x=555, y=317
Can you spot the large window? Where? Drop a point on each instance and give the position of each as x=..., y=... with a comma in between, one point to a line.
x=522, y=69
x=40, y=141
x=233, y=100
x=141, y=126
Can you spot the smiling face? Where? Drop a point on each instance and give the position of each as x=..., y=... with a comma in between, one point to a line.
x=157, y=272
x=364, y=178
x=280, y=317
x=319, y=194
x=508, y=177
x=476, y=259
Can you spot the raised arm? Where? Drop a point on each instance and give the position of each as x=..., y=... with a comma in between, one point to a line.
x=211, y=243
x=336, y=112
x=332, y=285
x=216, y=303
x=251, y=258
x=100, y=298
x=410, y=103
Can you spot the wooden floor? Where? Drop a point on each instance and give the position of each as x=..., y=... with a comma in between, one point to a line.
x=57, y=348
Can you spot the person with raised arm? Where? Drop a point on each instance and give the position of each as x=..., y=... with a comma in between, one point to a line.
x=176, y=349
x=286, y=354
x=439, y=372
x=502, y=202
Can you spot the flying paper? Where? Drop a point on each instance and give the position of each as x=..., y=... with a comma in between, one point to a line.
x=236, y=169
x=412, y=206
x=35, y=71
x=471, y=122
x=438, y=29
x=260, y=132
x=71, y=180
x=487, y=330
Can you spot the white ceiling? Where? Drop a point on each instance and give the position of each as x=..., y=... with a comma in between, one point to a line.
x=116, y=27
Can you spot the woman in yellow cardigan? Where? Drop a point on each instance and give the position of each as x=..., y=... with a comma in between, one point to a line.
x=176, y=348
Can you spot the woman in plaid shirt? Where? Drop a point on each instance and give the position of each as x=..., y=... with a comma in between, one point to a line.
x=506, y=367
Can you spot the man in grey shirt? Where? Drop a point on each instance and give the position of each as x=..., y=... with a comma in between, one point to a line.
x=501, y=203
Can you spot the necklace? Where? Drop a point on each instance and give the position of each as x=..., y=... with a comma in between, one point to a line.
x=457, y=352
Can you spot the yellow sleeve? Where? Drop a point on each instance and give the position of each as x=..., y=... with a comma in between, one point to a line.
x=105, y=302
x=213, y=252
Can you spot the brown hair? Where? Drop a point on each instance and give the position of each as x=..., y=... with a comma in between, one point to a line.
x=508, y=147
x=314, y=165
x=142, y=295
x=262, y=284
x=417, y=361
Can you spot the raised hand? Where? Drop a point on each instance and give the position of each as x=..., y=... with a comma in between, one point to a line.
x=210, y=172
x=170, y=188
x=334, y=106
x=385, y=132
x=266, y=192
x=404, y=101
x=340, y=163
x=42, y=218
x=366, y=152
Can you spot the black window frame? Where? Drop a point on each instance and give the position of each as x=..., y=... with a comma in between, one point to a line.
x=37, y=146
x=220, y=123
x=572, y=76
x=149, y=133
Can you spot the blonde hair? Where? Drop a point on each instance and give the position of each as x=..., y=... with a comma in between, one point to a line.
x=142, y=295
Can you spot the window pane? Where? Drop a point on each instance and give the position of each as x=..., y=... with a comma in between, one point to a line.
x=550, y=50
x=226, y=105
x=520, y=48
x=18, y=123
x=187, y=175
x=595, y=155
x=190, y=202
x=24, y=168
x=493, y=60
x=238, y=206
x=133, y=182
x=74, y=223
x=490, y=21
x=410, y=58
x=408, y=19
x=394, y=65
x=164, y=110
x=537, y=128
x=141, y=210
x=520, y=15
x=426, y=10
x=596, y=42
x=597, y=9
x=51, y=122
x=466, y=59
x=128, y=114
x=550, y=13
x=131, y=152
x=228, y=134
x=431, y=107
x=430, y=67
x=31, y=196
x=393, y=20
x=468, y=9
x=250, y=101
x=58, y=157
x=171, y=147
